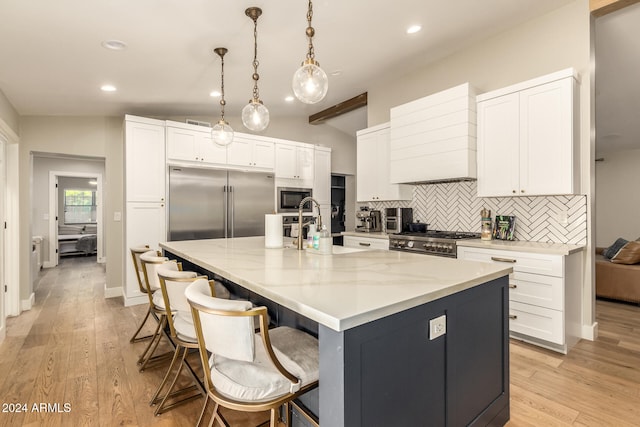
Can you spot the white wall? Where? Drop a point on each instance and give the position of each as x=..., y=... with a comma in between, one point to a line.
x=558, y=40
x=80, y=136
x=618, y=201
x=8, y=114
x=40, y=207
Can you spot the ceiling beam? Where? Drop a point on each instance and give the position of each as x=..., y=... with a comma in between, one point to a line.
x=341, y=108
x=602, y=7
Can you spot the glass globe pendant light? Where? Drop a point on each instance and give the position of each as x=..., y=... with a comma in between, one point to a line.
x=221, y=132
x=255, y=116
x=310, y=82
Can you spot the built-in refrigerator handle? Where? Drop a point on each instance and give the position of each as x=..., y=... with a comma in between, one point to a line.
x=232, y=203
x=225, y=207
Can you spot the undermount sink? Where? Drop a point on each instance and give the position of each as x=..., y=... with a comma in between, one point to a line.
x=336, y=250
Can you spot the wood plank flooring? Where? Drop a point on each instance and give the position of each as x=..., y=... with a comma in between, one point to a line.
x=73, y=349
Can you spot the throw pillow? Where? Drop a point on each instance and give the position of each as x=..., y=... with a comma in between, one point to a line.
x=629, y=254
x=613, y=249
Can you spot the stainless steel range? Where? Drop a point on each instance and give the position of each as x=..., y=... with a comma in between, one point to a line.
x=431, y=242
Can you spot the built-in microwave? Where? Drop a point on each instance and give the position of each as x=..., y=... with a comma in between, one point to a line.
x=289, y=199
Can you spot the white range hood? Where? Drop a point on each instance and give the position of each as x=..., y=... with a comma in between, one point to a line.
x=433, y=139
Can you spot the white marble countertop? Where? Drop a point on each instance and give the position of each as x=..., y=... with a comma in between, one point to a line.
x=523, y=246
x=373, y=235
x=340, y=291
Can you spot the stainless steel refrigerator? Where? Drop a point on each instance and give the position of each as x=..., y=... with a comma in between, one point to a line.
x=214, y=203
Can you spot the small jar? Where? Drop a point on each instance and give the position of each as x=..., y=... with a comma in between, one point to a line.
x=485, y=230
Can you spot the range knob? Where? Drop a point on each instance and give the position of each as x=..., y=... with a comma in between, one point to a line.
x=410, y=244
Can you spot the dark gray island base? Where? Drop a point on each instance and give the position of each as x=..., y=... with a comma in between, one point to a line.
x=389, y=373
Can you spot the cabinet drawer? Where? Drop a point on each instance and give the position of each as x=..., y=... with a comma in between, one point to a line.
x=365, y=243
x=534, y=263
x=537, y=322
x=536, y=289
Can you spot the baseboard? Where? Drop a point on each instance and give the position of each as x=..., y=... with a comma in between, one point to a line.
x=129, y=301
x=47, y=264
x=590, y=332
x=3, y=332
x=26, y=304
x=102, y=260
x=112, y=292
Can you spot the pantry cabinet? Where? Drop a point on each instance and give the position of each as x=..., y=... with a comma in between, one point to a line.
x=145, y=210
x=544, y=294
x=528, y=138
x=373, y=167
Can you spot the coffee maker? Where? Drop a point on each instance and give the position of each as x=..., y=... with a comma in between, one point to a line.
x=370, y=220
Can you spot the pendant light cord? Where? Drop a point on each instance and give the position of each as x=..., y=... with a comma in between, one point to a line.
x=222, y=101
x=256, y=76
x=310, y=31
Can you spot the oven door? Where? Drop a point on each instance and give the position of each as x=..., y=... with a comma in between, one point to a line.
x=392, y=224
x=289, y=199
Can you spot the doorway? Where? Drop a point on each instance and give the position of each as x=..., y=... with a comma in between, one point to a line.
x=75, y=215
x=48, y=218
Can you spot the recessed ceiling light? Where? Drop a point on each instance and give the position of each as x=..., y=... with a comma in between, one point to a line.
x=215, y=94
x=114, y=44
x=289, y=98
x=108, y=88
x=413, y=29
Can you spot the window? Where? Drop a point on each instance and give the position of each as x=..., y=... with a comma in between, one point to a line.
x=79, y=206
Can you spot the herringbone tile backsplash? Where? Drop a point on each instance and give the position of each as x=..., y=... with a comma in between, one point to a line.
x=455, y=207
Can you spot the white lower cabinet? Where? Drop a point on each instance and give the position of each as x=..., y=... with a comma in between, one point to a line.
x=544, y=295
x=145, y=224
x=365, y=242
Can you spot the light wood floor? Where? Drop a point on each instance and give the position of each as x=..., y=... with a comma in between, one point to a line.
x=73, y=347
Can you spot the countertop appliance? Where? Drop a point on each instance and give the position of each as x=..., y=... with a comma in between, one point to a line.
x=289, y=198
x=398, y=219
x=370, y=220
x=214, y=203
x=431, y=242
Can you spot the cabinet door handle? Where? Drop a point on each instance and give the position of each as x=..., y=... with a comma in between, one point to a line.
x=364, y=244
x=513, y=316
x=495, y=258
x=513, y=286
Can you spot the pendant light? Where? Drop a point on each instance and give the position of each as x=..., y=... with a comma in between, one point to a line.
x=255, y=115
x=221, y=132
x=310, y=82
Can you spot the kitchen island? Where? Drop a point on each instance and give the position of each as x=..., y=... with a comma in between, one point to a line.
x=404, y=339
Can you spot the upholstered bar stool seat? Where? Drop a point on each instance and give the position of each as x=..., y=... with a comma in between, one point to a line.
x=182, y=331
x=150, y=262
x=137, y=268
x=249, y=371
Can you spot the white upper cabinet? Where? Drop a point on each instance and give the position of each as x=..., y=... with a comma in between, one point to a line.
x=322, y=175
x=373, y=183
x=294, y=162
x=251, y=151
x=145, y=167
x=528, y=138
x=191, y=143
x=434, y=138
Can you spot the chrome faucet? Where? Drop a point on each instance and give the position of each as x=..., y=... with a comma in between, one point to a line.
x=301, y=225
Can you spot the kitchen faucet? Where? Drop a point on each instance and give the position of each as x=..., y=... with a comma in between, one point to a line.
x=301, y=225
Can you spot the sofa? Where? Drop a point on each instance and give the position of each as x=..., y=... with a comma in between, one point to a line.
x=617, y=281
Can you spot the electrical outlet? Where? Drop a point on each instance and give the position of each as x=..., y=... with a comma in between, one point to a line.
x=437, y=327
